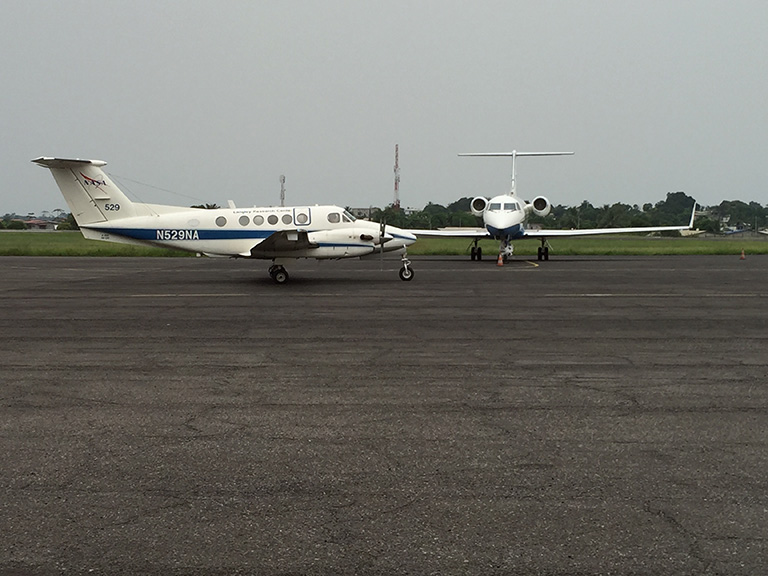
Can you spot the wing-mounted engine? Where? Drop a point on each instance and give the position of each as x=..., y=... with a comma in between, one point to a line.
x=353, y=241
x=355, y=235
x=478, y=204
x=540, y=206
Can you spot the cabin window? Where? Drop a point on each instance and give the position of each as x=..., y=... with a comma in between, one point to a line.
x=302, y=218
x=244, y=220
x=272, y=219
x=287, y=219
x=221, y=221
x=258, y=220
x=334, y=218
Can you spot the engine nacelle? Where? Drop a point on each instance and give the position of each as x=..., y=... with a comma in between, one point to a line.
x=351, y=235
x=540, y=206
x=478, y=205
x=344, y=242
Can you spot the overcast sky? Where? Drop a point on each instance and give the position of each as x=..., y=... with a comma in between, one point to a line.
x=215, y=100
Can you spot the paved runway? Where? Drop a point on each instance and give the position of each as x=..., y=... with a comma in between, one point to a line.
x=188, y=416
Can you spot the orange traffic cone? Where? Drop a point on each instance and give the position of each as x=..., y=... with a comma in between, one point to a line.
x=500, y=261
x=743, y=256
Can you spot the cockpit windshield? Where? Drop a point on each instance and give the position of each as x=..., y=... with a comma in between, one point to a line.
x=347, y=217
x=494, y=206
x=511, y=206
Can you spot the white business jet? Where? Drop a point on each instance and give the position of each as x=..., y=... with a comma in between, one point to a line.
x=505, y=217
x=103, y=212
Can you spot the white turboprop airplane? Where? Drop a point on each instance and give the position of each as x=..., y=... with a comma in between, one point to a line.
x=103, y=212
x=505, y=216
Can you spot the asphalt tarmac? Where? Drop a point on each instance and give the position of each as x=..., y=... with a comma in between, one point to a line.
x=188, y=416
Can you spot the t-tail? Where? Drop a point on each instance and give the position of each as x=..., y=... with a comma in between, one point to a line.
x=91, y=195
x=514, y=154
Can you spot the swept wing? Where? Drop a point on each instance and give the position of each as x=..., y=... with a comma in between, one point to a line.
x=596, y=231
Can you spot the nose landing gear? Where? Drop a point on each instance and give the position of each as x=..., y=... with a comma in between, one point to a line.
x=406, y=272
x=507, y=250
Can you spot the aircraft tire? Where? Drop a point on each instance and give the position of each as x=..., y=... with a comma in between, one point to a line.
x=479, y=253
x=473, y=253
x=280, y=276
x=406, y=274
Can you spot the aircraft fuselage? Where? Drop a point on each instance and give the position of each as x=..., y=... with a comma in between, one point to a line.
x=324, y=231
x=504, y=217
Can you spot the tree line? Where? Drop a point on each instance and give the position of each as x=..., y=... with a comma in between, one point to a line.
x=674, y=210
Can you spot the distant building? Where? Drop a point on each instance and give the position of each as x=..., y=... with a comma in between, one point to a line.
x=367, y=212
x=37, y=224
x=363, y=212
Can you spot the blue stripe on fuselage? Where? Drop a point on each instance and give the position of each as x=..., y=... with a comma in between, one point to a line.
x=516, y=231
x=151, y=234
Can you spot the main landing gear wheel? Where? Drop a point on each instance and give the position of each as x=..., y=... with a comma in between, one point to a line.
x=278, y=274
x=543, y=253
x=476, y=253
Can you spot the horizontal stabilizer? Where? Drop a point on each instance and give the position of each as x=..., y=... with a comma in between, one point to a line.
x=517, y=154
x=47, y=162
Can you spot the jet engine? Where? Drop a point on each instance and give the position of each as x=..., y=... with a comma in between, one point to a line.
x=478, y=204
x=540, y=206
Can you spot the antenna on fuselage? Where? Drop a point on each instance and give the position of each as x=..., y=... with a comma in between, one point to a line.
x=282, y=190
x=514, y=154
x=396, y=202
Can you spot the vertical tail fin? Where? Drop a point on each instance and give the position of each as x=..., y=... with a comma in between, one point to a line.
x=90, y=194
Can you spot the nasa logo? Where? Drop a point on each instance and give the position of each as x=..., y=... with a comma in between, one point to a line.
x=92, y=182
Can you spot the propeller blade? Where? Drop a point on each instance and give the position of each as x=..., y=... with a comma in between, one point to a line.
x=382, y=233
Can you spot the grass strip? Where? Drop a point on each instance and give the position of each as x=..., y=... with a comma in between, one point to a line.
x=68, y=243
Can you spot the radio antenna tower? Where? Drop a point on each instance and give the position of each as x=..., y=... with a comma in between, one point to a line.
x=396, y=203
x=282, y=190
